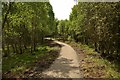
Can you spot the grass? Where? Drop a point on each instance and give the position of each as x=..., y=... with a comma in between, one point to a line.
x=17, y=64
x=94, y=66
x=13, y=62
x=110, y=68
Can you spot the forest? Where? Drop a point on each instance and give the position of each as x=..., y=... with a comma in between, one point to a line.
x=21, y=31
x=94, y=24
x=26, y=25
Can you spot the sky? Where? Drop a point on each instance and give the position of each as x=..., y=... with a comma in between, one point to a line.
x=62, y=8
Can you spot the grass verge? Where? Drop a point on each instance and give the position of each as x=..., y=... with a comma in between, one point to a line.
x=93, y=65
x=29, y=65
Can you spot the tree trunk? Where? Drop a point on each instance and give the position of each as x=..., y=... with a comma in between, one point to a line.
x=3, y=48
x=20, y=47
x=95, y=46
x=16, y=50
x=13, y=48
x=7, y=12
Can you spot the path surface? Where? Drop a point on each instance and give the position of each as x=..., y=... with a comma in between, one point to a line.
x=66, y=65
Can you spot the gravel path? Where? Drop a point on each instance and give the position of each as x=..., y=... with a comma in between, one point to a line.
x=66, y=65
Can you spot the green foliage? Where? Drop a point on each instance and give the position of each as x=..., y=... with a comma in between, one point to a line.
x=96, y=25
x=25, y=25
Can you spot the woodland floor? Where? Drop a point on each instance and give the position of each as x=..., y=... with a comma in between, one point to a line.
x=61, y=60
x=88, y=67
x=30, y=65
x=92, y=65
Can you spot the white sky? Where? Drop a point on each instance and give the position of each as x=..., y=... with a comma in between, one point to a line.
x=62, y=8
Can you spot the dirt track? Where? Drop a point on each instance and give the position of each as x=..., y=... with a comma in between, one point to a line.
x=66, y=65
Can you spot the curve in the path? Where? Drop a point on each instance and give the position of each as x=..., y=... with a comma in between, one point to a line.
x=66, y=65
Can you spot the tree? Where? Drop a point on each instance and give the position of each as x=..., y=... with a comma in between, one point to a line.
x=25, y=25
